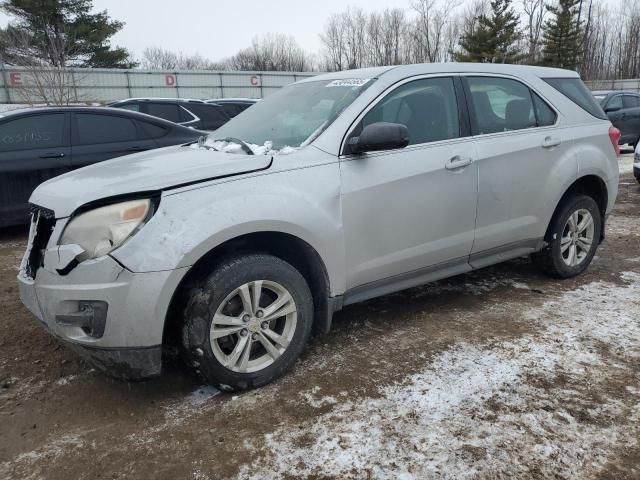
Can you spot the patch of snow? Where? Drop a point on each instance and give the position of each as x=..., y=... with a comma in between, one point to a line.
x=310, y=398
x=474, y=409
x=233, y=147
x=65, y=380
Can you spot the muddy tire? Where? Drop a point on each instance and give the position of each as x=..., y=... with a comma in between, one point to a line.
x=247, y=322
x=573, y=237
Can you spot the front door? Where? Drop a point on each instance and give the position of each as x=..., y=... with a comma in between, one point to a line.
x=413, y=209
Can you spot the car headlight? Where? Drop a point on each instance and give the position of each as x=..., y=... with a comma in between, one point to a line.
x=103, y=229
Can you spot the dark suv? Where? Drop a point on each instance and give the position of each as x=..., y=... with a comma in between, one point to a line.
x=623, y=109
x=190, y=113
x=37, y=144
x=233, y=106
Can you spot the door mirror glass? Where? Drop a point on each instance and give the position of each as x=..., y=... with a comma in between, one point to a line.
x=380, y=136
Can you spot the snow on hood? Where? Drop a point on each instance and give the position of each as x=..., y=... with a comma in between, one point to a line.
x=147, y=171
x=229, y=146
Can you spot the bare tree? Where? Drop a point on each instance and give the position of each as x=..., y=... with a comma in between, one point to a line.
x=157, y=58
x=534, y=16
x=430, y=29
x=272, y=52
x=43, y=81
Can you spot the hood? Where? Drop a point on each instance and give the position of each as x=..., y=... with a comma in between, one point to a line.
x=142, y=172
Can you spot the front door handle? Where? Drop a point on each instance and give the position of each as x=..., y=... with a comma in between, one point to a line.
x=550, y=142
x=52, y=155
x=457, y=162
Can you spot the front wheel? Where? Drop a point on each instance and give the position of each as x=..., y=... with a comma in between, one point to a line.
x=247, y=322
x=573, y=237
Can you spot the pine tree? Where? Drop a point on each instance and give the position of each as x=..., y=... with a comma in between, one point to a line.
x=562, y=36
x=494, y=38
x=60, y=33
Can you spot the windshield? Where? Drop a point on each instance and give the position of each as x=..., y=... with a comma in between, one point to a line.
x=293, y=116
x=600, y=98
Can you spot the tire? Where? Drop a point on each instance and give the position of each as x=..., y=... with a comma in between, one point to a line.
x=241, y=359
x=556, y=259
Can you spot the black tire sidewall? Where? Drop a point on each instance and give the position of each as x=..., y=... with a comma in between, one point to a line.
x=214, y=289
x=572, y=205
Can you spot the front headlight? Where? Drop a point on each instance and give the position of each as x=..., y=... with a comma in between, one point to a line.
x=104, y=229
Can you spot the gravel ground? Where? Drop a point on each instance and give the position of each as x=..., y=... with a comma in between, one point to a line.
x=501, y=373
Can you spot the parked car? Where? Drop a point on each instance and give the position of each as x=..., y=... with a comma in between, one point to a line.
x=331, y=191
x=636, y=163
x=37, y=144
x=623, y=109
x=189, y=113
x=233, y=106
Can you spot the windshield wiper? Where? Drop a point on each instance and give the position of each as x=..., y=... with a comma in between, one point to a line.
x=244, y=145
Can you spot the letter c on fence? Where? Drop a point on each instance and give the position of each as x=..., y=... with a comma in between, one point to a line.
x=254, y=80
x=169, y=80
x=15, y=78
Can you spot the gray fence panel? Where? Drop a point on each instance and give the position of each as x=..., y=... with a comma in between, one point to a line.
x=17, y=85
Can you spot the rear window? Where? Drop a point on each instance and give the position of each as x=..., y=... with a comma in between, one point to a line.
x=578, y=93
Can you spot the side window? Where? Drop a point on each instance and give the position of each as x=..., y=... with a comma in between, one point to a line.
x=501, y=104
x=545, y=115
x=92, y=128
x=36, y=131
x=151, y=130
x=135, y=107
x=186, y=114
x=427, y=107
x=614, y=103
x=168, y=111
x=212, y=116
x=630, y=101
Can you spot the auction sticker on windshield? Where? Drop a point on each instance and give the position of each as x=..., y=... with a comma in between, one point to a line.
x=348, y=82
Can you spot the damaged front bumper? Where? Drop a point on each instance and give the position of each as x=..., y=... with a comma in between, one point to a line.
x=112, y=317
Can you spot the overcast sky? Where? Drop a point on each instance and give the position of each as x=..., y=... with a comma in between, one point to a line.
x=219, y=28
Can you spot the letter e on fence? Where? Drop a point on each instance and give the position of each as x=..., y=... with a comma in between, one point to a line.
x=15, y=78
x=170, y=80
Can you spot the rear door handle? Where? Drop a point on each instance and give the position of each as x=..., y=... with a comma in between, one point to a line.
x=458, y=162
x=52, y=155
x=550, y=142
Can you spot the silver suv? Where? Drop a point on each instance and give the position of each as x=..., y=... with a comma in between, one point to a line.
x=334, y=190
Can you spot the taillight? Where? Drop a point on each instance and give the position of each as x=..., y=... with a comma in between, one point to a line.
x=614, y=136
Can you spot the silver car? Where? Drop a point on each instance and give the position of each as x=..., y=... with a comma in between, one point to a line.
x=334, y=190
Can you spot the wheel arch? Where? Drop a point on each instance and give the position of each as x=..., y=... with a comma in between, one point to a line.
x=285, y=246
x=590, y=185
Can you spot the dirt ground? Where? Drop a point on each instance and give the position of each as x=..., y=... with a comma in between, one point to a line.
x=501, y=373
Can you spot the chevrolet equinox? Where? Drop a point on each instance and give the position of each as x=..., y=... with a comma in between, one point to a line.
x=334, y=190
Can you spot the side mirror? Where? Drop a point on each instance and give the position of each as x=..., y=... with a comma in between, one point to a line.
x=612, y=108
x=379, y=136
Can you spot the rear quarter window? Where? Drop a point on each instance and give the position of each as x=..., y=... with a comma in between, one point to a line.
x=578, y=93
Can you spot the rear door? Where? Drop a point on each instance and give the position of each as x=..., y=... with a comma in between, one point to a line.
x=33, y=149
x=518, y=147
x=101, y=136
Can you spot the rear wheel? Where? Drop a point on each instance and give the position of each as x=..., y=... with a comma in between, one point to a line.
x=247, y=322
x=572, y=238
